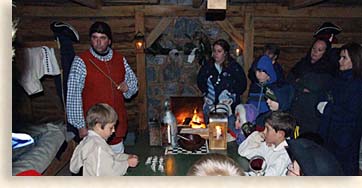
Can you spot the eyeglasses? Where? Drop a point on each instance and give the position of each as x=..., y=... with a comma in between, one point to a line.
x=291, y=169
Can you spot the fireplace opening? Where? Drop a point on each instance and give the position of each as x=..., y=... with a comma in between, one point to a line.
x=188, y=111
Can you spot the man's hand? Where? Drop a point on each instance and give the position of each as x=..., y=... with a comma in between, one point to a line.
x=83, y=132
x=132, y=160
x=123, y=87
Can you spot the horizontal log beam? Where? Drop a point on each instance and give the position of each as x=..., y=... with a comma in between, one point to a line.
x=266, y=10
x=296, y=4
x=96, y=4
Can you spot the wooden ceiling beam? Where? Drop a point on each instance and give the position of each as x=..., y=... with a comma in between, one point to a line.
x=95, y=4
x=158, y=30
x=297, y=4
x=232, y=32
x=169, y=11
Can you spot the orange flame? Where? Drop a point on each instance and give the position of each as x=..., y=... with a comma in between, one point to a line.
x=196, y=121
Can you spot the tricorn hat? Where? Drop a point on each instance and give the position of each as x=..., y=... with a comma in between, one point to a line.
x=328, y=31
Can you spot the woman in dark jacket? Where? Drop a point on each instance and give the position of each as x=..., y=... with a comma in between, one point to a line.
x=222, y=79
x=342, y=113
x=311, y=78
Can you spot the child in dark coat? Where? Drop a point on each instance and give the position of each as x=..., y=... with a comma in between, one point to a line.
x=268, y=94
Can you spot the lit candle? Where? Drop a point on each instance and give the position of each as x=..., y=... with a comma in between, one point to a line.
x=218, y=132
x=237, y=51
x=168, y=134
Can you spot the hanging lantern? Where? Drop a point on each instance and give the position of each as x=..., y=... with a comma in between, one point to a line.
x=139, y=41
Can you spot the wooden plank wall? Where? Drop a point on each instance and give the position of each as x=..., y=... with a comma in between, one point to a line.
x=291, y=29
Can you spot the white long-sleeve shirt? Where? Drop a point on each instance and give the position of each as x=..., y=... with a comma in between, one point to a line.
x=97, y=158
x=277, y=158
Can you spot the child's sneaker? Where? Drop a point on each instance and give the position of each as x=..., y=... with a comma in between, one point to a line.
x=61, y=28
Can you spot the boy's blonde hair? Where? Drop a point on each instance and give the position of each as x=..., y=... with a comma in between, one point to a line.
x=101, y=113
x=215, y=165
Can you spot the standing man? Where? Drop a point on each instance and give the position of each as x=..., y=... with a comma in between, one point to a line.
x=100, y=74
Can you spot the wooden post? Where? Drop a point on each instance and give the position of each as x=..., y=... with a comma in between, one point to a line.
x=141, y=75
x=248, y=47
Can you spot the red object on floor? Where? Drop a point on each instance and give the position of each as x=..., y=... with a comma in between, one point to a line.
x=29, y=173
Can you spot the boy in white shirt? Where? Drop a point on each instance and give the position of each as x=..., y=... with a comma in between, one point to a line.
x=271, y=143
x=93, y=153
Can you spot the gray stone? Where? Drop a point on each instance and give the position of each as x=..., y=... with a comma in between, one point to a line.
x=170, y=89
x=189, y=91
x=185, y=26
x=151, y=74
x=171, y=72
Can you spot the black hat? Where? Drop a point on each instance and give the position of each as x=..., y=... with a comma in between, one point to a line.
x=327, y=31
x=101, y=27
x=313, y=159
x=328, y=28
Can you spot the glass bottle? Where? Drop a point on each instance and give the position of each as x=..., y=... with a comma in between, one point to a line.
x=169, y=121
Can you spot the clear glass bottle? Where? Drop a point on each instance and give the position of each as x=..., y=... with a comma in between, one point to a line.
x=169, y=121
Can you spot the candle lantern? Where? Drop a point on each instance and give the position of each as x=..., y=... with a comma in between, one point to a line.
x=139, y=42
x=218, y=123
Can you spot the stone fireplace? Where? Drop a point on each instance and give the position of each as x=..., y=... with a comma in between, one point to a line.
x=172, y=64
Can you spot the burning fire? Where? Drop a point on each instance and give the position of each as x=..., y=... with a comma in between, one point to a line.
x=196, y=121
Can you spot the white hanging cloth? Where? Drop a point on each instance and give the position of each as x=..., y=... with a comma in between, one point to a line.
x=38, y=61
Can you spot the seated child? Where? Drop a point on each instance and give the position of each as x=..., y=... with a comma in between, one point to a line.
x=311, y=159
x=271, y=143
x=215, y=165
x=245, y=119
x=93, y=153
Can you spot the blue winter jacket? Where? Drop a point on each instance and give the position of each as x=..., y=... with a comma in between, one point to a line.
x=257, y=89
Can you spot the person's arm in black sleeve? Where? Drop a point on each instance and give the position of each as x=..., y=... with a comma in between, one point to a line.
x=251, y=72
x=240, y=78
x=202, y=79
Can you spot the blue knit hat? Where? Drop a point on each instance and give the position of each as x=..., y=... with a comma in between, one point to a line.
x=265, y=64
x=313, y=159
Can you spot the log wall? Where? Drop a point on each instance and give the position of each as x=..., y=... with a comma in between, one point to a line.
x=256, y=24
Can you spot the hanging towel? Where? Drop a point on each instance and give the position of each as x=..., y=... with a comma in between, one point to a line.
x=38, y=61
